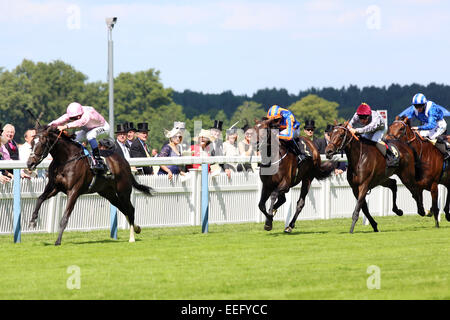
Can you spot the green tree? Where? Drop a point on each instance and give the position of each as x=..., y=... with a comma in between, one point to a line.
x=247, y=113
x=313, y=107
x=44, y=88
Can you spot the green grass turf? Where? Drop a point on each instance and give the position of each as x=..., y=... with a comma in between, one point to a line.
x=319, y=260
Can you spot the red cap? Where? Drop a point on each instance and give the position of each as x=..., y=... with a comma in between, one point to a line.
x=364, y=110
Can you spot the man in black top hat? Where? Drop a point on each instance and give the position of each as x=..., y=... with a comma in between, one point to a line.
x=216, y=146
x=309, y=129
x=140, y=149
x=131, y=133
x=121, y=138
x=217, y=142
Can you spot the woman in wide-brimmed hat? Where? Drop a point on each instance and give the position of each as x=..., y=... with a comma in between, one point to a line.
x=171, y=149
x=200, y=148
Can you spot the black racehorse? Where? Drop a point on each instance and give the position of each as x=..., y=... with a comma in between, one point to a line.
x=283, y=172
x=70, y=172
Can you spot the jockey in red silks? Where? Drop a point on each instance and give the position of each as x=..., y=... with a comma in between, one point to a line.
x=91, y=124
x=290, y=130
x=370, y=125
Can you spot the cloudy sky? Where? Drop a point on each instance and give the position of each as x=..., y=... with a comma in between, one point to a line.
x=213, y=46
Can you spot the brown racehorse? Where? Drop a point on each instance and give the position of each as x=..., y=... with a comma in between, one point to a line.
x=431, y=161
x=282, y=172
x=367, y=169
x=70, y=173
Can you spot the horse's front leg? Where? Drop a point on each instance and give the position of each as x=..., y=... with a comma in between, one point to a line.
x=306, y=184
x=360, y=193
x=49, y=191
x=71, y=200
x=269, y=217
x=280, y=201
x=265, y=194
x=365, y=209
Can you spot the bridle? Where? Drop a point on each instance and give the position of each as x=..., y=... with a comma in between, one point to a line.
x=404, y=132
x=47, y=149
x=345, y=141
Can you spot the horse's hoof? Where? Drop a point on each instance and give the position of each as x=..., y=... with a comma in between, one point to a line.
x=447, y=216
x=267, y=228
x=32, y=224
x=137, y=229
x=131, y=241
x=288, y=230
x=399, y=212
x=57, y=243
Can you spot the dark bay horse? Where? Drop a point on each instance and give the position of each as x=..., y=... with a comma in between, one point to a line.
x=431, y=163
x=367, y=169
x=70, y=172
x=283, y=172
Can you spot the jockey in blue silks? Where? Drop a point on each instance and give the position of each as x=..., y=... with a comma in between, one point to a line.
x=431, y=115
x=290, y=130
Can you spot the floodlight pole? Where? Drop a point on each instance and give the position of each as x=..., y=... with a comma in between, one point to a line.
x=110, y=23
x=110, y=78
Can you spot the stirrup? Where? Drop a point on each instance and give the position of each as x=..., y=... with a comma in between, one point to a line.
x=99, y=166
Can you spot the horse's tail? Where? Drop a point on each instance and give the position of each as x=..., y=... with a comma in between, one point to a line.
x=143, y=188
x=325, y=170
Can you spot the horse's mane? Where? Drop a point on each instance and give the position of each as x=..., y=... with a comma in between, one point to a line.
x=66, y=137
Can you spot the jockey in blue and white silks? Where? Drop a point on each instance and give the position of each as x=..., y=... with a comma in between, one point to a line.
x=431, y=115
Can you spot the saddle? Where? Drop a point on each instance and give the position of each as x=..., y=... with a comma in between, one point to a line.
x=104, y=154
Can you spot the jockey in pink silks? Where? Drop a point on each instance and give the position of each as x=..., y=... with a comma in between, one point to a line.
x=91, y=124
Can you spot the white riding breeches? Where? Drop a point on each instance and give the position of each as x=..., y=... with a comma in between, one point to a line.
x=91, y=134
x=374, y=136
x=436, y=132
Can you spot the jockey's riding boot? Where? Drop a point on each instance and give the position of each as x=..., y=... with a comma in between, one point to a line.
x=298, y=151
x=443, y=147
x=391, y=159
x=99, y=165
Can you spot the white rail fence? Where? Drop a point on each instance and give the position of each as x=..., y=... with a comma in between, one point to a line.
x=178, y=203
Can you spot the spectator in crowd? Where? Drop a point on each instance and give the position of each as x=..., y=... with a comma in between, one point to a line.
x=131, y=133
x=11, y=146
x=230, y=149
x=216, y=146
x=154, y=152
x=5, y=176
x=10, y=150
x=140, y=149
x=201, y=147
x=309, y=128
x=121, y=138
x=171, y=149
x=25, y=149
x=247, y=147
x=185, y=144
x=321, y=144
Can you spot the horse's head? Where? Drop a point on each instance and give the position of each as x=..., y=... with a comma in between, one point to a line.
x=340, y=136
x=42, y=144
x=400, y=129
x=263, y=126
